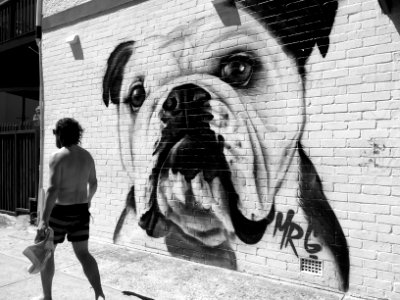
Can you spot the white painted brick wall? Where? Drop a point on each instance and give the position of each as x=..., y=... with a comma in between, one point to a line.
x=352, y=135
x=51, y=7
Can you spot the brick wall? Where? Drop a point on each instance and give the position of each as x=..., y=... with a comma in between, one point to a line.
x=52, y=7
x=348, y=121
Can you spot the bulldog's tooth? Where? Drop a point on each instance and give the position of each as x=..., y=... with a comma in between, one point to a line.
x=164, y=192
x=220, y=206
x=179, y=186
x=202, y=192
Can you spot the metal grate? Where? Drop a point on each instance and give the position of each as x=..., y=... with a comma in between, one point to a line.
x=309, y=265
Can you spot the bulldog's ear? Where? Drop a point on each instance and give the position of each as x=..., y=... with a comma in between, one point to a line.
x=112, y=79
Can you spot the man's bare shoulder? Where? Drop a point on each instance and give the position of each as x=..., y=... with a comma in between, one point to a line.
x=84, y=152
x=57, y=157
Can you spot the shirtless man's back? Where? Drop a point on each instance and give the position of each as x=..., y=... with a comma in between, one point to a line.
x=67, y=203
x=76, y=171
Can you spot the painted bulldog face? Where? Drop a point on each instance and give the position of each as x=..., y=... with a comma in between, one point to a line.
x=209, y=117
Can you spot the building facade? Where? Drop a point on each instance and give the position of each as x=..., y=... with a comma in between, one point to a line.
x=19, y=57
x=259, y=136
x=19, y=99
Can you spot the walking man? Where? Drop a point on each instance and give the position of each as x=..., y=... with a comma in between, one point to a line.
x=66, y=208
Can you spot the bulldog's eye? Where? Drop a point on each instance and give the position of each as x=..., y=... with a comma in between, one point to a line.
x=237, y=69
x=136, y=97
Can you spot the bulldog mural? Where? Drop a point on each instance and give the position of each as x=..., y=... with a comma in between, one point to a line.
x=213, y=117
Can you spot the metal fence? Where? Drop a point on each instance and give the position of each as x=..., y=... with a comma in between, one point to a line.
x=19, y=167
x=17, y=18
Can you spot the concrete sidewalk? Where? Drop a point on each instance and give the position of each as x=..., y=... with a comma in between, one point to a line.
x=144, y=274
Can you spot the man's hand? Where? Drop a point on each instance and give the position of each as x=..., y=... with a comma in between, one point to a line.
x=41, y=231
x=43, y=225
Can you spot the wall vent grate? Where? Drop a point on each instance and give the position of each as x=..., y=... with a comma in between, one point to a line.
x=310, y=265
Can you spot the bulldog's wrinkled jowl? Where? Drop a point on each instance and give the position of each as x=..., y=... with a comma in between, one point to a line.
x=214, y=128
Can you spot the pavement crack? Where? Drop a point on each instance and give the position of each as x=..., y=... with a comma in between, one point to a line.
x=15, y=282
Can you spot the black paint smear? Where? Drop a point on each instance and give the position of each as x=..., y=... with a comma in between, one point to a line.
x=112, y=79
x=299, y=25
x=321, y=217
x=248, y=231
x=130, y=204
x=150, y=218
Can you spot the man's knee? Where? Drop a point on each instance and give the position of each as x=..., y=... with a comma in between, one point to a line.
x=82, y=255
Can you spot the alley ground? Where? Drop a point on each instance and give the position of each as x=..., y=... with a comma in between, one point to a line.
x=144, y=274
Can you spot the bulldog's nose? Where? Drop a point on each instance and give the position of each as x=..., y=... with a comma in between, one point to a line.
x=187, y=104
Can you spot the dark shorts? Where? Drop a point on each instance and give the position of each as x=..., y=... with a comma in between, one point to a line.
x=71, y=220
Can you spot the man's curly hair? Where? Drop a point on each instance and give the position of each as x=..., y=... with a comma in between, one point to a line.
x=69, y=131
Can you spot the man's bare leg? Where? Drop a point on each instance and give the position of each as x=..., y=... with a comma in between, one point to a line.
x=89, y=266
x=47, y=275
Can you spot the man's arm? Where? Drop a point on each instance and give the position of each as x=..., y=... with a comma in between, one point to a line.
x=92, y=182
x=52, y=191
